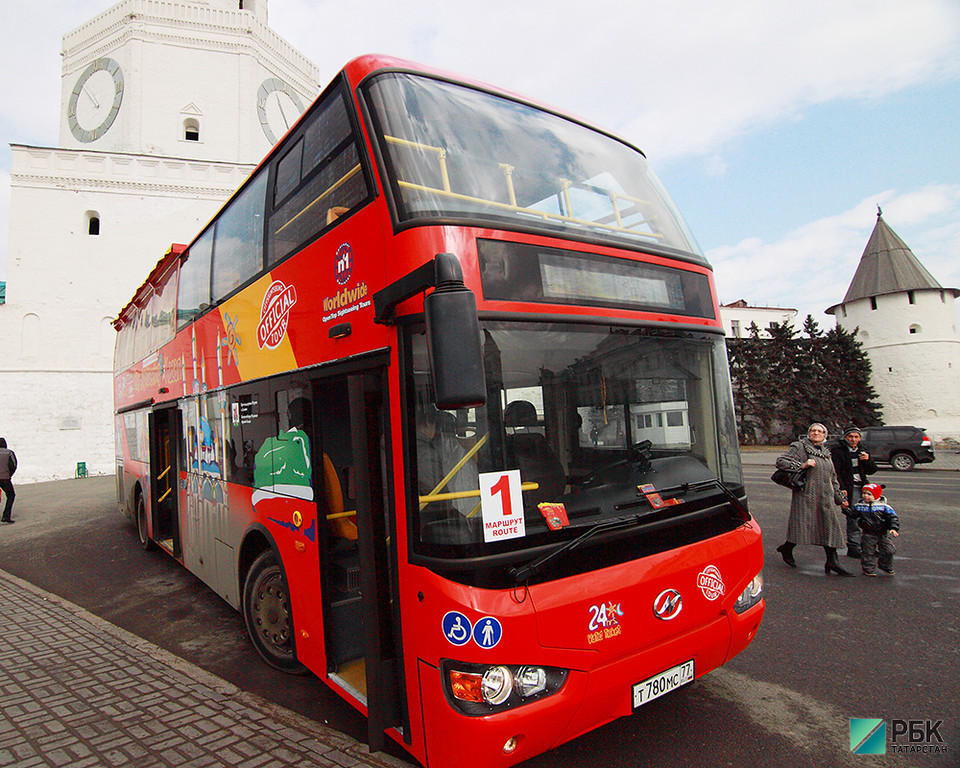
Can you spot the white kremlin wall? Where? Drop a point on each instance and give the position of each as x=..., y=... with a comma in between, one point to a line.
x=214, y=63
x=64, y=286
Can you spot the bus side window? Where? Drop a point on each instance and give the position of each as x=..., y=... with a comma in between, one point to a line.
x=253, y=422
x=238, y=244
x=193, y=295
x=318, y=181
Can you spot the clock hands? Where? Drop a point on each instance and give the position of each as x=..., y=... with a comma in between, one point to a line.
x=283, y=114
x=96, y=104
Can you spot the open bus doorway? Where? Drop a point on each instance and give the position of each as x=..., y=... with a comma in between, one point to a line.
x=359, y=574
x=164, y=472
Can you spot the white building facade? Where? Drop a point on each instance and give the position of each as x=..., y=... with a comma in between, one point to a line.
x=738, y=316
x=908, y=327
x=166, y=107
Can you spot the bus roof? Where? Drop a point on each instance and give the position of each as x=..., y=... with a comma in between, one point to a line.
x=355, y=71
x=140, y=296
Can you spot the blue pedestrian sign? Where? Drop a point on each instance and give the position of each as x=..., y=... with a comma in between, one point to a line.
x=487, y=632
x=457, y=628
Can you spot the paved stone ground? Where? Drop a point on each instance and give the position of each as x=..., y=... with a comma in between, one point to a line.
x=78, y=692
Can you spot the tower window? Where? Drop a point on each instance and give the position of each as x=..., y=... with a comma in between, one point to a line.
x=93, y=223
x=873, y=302
x=911, y=298
x=191, y=129
x=914, y=329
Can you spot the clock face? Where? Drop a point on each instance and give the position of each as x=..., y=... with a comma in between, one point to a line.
x=278, y=107
x=95, y=100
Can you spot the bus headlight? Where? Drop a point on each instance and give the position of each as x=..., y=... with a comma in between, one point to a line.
x=496, y=685
x=530, y=681
x=750, y=596
x=481, y=689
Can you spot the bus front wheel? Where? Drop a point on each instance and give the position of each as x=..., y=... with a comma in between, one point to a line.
x=266, y=612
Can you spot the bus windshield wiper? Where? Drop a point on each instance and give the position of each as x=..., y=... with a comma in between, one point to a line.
x=714, y=482
x=738, y=506
x=524, y=572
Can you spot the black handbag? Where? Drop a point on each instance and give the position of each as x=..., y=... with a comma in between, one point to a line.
x=794, y=479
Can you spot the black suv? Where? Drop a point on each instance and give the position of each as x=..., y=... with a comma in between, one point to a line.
x=901, y=447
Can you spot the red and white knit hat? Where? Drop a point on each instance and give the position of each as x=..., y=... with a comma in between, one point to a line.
x=874, y=490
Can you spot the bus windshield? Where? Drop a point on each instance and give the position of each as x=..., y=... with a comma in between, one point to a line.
x=456, y=152
x=588, y=415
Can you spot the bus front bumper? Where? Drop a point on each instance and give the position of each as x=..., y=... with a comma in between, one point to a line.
x=588, y=699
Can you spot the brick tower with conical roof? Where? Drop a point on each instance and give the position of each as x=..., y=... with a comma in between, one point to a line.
x=907, y=324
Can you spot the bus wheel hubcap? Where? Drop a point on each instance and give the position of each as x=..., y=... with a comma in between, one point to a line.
x=271, y=612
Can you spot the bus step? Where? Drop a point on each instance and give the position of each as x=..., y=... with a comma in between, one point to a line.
x=352, y=677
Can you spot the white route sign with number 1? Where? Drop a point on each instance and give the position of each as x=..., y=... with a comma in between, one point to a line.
x=502, y=505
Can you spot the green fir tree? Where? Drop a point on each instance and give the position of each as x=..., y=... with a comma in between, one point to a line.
x=783, y=383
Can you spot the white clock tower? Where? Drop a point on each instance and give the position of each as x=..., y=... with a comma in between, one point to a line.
x=165, y=108
x=199, y=79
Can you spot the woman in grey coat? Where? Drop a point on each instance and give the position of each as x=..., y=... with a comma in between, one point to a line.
x=815, y=516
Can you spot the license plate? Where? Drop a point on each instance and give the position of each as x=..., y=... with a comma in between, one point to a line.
x=658, y=685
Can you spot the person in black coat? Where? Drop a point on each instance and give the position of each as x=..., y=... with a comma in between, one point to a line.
x=852, y=462
x=8, y=465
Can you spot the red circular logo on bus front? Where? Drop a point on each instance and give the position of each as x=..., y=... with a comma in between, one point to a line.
x=711, y=582
x=343, y=263
x=275, y=314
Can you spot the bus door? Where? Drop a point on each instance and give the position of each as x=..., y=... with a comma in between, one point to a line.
x=361, y=617
x=165, y=473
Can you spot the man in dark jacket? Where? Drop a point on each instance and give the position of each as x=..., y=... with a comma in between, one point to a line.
x=8, y=465
x=852, y=463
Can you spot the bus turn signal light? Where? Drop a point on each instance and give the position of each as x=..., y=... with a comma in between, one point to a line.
x=466, y=686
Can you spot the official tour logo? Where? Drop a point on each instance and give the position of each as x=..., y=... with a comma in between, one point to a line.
x=711, y=582
x=275, y=314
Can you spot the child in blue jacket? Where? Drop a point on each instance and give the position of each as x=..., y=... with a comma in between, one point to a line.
x=880, y=526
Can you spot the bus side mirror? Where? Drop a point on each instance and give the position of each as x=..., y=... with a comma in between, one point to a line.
x=456, y=353
x=453, y=330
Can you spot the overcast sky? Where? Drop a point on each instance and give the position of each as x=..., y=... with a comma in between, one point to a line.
x=777, y=127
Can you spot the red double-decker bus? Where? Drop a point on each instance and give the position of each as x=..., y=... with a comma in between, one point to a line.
x=440, y=402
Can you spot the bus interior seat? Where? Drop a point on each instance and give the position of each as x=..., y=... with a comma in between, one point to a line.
x=338, y=527
x=530, y=451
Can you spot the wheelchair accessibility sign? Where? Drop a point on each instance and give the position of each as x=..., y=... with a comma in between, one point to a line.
x=458, y=630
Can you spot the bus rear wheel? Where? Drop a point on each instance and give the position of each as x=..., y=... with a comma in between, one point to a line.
x=266, y=612
x=142, y=532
